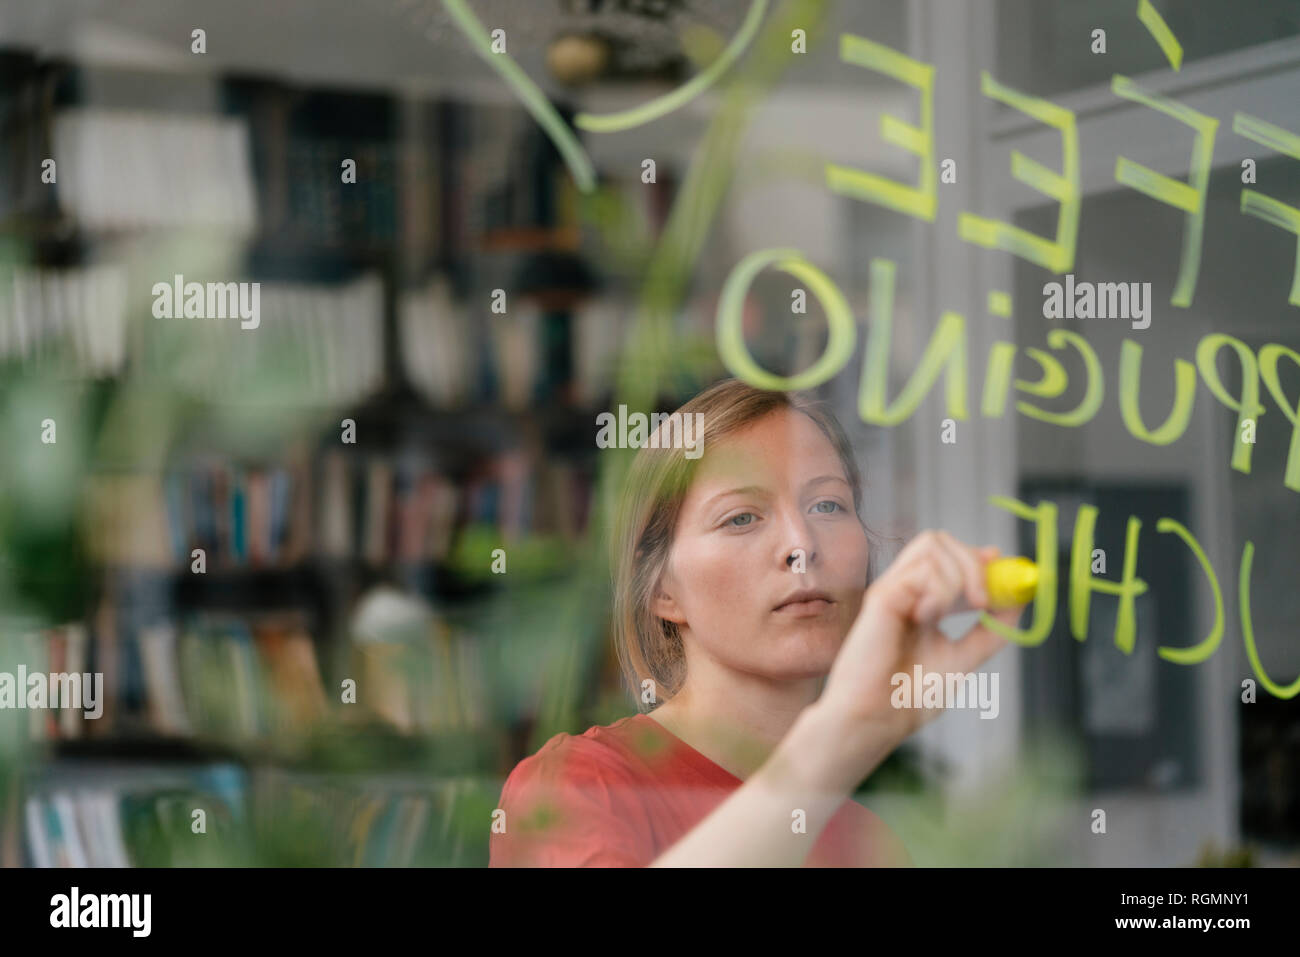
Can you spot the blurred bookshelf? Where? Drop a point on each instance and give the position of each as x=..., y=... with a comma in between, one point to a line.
x=473, y=430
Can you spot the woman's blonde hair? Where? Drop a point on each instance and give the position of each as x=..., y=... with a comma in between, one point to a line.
x=651, y=499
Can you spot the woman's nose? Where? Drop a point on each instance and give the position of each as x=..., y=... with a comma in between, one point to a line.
x=800, y=549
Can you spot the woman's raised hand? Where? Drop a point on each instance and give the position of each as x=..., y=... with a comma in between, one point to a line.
x=897, y=629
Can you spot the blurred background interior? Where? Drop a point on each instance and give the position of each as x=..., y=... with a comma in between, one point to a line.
x=328, y=561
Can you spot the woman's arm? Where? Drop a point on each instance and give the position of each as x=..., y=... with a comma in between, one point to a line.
x=814, y=769
x=843, y=736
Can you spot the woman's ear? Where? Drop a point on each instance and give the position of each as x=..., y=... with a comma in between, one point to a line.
x=664, y=605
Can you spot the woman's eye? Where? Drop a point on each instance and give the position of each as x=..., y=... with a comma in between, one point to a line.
x=735, y=521
x=826, y=511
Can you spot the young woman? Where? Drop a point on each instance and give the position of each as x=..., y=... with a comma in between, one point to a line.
x=762, y=659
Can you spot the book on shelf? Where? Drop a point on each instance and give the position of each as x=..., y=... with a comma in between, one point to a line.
x=521, y=190
x=254, y=679
x=132, y=169
x=377, y=543
x=335, y=527
x=514, y=473
x=271, y=516
x=324, y=209
x=49, y=688
x=421, y=674
x=214, y=677
x=318, y=343
x=421, y=212
x=239, y=515
x=597, y=340
x=251, y=679
x=362, y=824
x=436, y=343
x=72, y=320
x=515, y=342
x=376, y=508
x=518, y=498
x=381, y=512
x=289, y=657
x=167, y=713
x=450, y=361
x=484, y=158
x=146, y=825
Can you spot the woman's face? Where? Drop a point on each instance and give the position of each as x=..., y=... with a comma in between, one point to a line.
x=773, y=490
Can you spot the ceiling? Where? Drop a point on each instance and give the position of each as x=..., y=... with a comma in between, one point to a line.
x=405, y=44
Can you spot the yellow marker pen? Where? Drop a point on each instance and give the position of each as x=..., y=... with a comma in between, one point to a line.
x=1011, y=582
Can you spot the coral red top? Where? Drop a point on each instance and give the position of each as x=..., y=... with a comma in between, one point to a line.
x=622, y=794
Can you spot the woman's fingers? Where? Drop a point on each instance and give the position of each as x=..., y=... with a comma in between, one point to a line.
x=913, y=590
x=936, y=575
x=896, y=629
x=948, y=583
x=972, y=570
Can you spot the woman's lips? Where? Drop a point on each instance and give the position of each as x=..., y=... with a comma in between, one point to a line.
x=805, y=609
